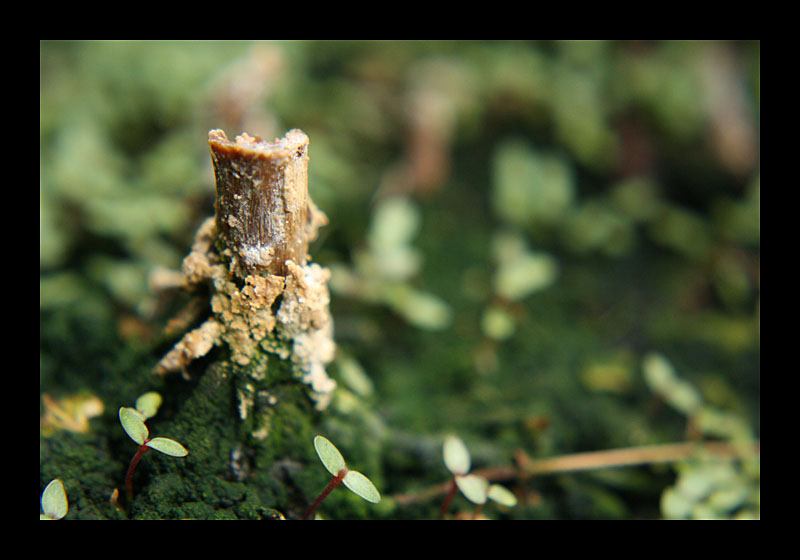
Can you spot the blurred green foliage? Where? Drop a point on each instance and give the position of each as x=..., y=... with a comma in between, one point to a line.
x=515, y=227
x=706, y=487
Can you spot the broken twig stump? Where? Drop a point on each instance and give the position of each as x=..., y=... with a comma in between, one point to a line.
x=253, y=251
x=263, y=209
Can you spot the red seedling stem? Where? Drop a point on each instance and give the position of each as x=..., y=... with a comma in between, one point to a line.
x=335, y=481
x=132, y=467
x=449, y=497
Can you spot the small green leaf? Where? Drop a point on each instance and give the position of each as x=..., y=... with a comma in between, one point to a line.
x=148, y=403
x=658, y=373
x=474, y=487
x=361, y=486
x=395, y=222
x=685, y=397
x=497, y=323
x=662, y=379
x=133, y=424
x=329, y=455
x=675, y=505
x=502, y=495
x=421, y=309
x=54, y=500
x=168, y=447
x=528, y=273
x=456, y=456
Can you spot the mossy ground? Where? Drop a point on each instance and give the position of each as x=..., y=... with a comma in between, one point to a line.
x=228, y=474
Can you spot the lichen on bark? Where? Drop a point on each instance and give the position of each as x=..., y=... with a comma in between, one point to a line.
x=252, y=255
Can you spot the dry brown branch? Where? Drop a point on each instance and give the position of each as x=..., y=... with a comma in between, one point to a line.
x=611, y=458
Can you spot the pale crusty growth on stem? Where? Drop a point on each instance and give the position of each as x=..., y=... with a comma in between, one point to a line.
x=252, y=252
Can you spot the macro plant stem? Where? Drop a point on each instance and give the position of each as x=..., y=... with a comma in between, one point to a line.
x=449, y=497
x=335, y=481
x=132, y=467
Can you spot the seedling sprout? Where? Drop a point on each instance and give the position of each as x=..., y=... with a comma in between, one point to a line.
x=132, y=420
x=54, y=501
x=334, y=463
x=475, y=488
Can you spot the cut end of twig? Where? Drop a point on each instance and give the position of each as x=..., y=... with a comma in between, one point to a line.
x=263, y=209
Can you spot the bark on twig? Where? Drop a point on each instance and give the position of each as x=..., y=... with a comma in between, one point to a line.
x=263, y=209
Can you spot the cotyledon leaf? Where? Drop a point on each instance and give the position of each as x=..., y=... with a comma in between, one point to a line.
x=54, y=500
x=133, y=425
x=456, y=456
x=329, y=455
x=474, y=487
x=148, y=403
x=361, y=486
x=502, y=495
x=168, y=447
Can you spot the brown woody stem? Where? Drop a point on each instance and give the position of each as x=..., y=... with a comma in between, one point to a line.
x=264, y=213
x=448, y=498
x=335, y=481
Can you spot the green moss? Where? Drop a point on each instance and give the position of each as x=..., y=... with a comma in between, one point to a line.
x=207, y=424
x=88, y=470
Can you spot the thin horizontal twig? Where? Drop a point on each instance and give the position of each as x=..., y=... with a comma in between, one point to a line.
x=611, y=458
